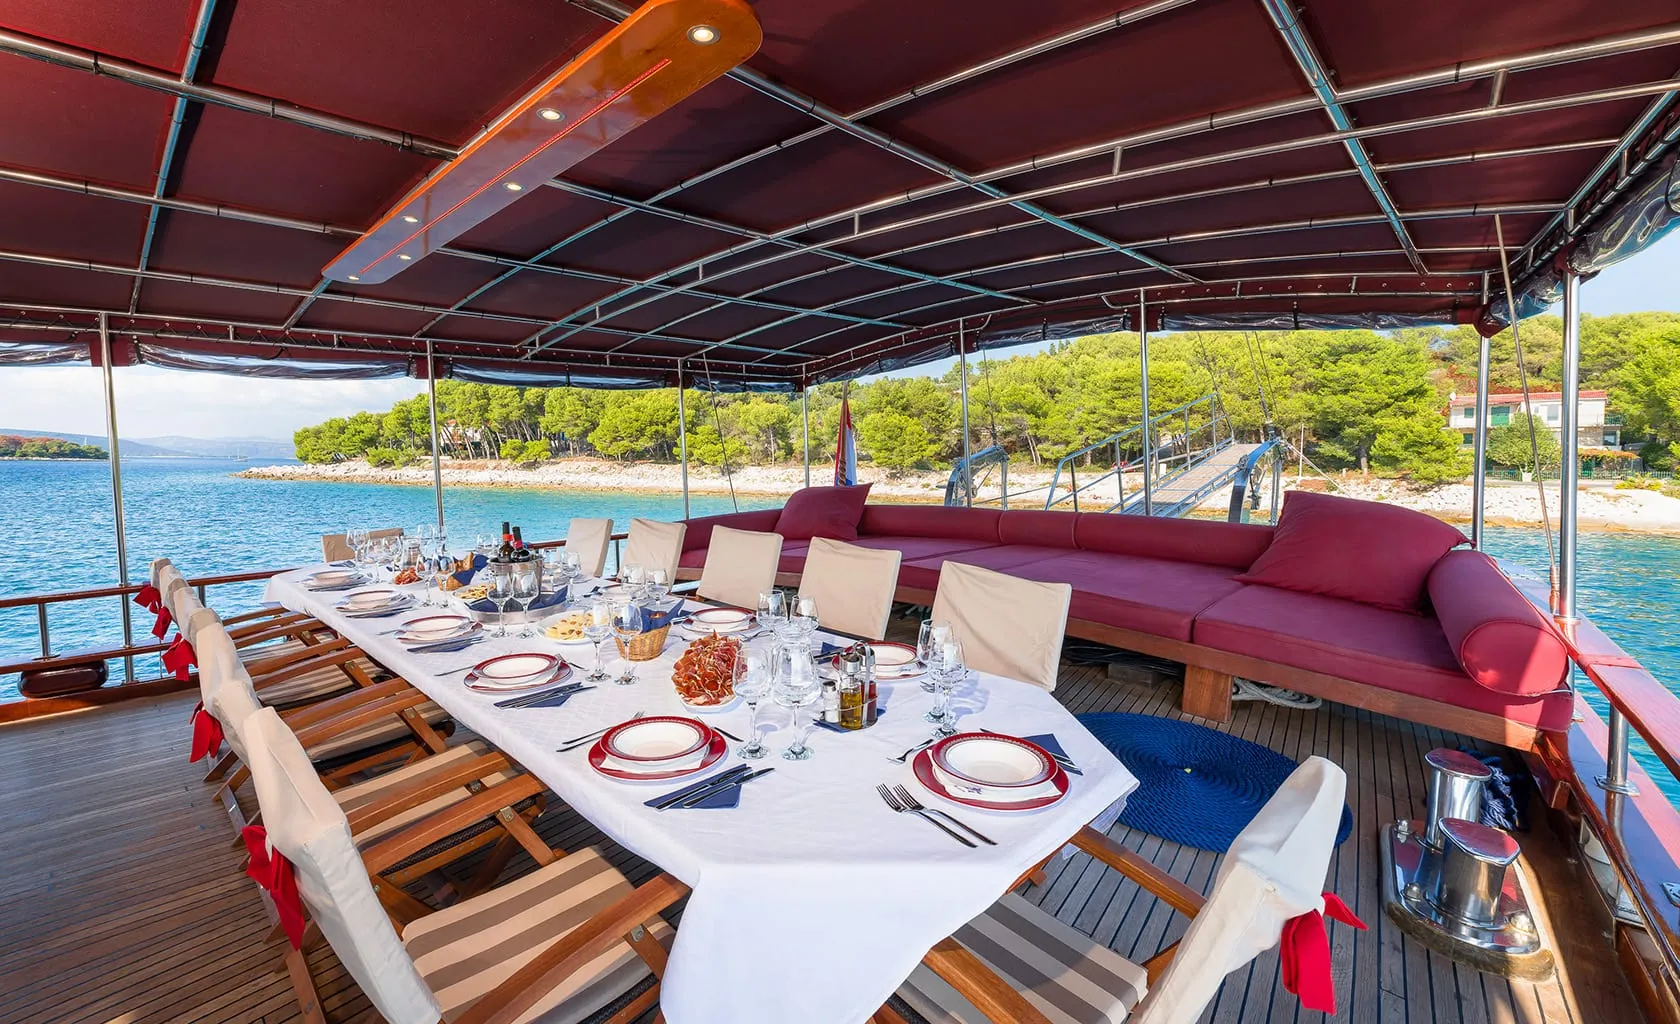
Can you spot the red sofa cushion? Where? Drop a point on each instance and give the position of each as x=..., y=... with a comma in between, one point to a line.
x=976, y=524
x=699, y=533
x=1232, y=545
x=1362, y=551
x=1028, y=526
x=823, y=512
x=1399, y=651
x=1501, y=640
x=924, y=572
x=1150, y=595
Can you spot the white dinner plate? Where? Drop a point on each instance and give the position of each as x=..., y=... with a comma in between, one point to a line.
x=372, y=600
x=720, y=620
x=657, y=743
x=433, y=628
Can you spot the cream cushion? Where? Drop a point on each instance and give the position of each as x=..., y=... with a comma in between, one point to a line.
x=1008, y=626
x=335, y=548
x=740, y=565
x=853, y=586
x=589, y=540
x=653, y=544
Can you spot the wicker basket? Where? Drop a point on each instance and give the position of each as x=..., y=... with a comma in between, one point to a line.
x=645, y=646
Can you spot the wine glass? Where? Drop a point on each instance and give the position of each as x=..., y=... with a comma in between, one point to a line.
x=772, y=610
x=797, y=686
x=658, y=585
x=928, y=639
x=627, y=625
x=752, y=683
x=804, y=623
x=634, y=577
x=527, y=588
x=597, y=627
x=502, y=596
x=950, y=668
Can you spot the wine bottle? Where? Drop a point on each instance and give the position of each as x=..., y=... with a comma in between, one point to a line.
x=520, y=552
x=505, y=552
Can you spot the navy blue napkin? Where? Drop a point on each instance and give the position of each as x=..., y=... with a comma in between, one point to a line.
x=727, y=797
x=549, y=600
x=880, y=709
x=1050, y=743
x=465, y=575
x=689, y=790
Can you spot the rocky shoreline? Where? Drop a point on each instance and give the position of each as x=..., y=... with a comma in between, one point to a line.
x=1508, y=503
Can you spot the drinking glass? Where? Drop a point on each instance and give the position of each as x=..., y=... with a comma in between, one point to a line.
x=502, y=596
x=928, y=639
x=805, y=618
x=527, y=588
x=571, y=573
x=627, y=624
x=634, y=578
x=597, y=628
x=772, y=610
x=797, y=686
x=950, y=669
x=752, y=682
x=658, y=584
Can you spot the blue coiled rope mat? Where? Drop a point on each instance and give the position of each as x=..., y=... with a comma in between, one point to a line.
x=1197, y=786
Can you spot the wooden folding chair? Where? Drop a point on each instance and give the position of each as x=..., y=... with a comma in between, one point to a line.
x=535, y=946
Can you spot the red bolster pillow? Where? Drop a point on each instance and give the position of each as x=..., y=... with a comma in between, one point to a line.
x=1500, y=639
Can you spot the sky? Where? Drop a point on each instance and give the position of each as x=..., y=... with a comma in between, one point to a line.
x=158, y=403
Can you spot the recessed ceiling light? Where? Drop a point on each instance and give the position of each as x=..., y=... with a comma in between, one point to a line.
x=705, y=35
x=353, y=277
x=404, y=256
x=512, y=186
x=409, y=218
x=550, y=114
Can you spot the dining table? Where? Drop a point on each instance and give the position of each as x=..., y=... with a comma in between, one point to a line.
x=812, y=900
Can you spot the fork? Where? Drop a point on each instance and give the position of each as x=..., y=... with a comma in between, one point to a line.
x=578, y=741
x=892, y=801
x=911, y=803
x=930, y=741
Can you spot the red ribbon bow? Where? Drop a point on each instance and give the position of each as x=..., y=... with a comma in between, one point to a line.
x=274, y=873
x=206, y=734
x=149, y=598
x=164, y=621
x=1306, y=954
x=180, y=657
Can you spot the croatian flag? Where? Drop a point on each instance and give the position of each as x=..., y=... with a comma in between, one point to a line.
x=845, y=448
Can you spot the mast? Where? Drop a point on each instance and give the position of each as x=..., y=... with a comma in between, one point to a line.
x=805, y=410
x=116, y=489
x=1478, y=475
x=962, y=392
x=1148, y=442
x=431, y=402
x=682, y=435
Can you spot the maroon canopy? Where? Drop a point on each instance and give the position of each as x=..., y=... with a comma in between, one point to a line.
x=879, y=181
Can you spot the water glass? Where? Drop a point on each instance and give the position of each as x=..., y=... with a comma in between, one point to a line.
x=627, y=624
x=752, y=683
x=527, y=589
x=502, y=596
x=928, y=639
x=950, y=668
x=634, y=578
x=597, y=627
x=658, y=584
x=772, y=610
x=797, y=686
x=805, y=618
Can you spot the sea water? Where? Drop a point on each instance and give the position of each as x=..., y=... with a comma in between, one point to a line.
x=56, y=535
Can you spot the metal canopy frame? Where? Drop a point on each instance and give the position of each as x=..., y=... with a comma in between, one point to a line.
x=1237, y=211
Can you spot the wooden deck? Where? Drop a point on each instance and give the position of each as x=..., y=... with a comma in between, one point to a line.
x=122, y=897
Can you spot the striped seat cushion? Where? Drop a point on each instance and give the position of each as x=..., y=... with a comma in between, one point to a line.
x=466, y=950
x=374, y=734
x=315, y=684
x=1069, y=976
x=272, y=649
x=359, y=795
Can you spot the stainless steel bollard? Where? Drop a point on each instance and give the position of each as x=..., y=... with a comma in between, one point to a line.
x=1473, y=870
x=1456, y=781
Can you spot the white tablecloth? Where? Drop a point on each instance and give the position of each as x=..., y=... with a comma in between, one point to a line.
x=812, y=900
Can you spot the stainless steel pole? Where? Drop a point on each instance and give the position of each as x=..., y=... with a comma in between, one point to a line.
x=116, y=488
x=1148, y=442
x=962, y=390
x=1569, y=423
x=431, y=402
x=805, y=410
x=1478, y=475
x=682, y=435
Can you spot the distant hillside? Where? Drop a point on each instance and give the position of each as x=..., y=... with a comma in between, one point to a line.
x=257, y=448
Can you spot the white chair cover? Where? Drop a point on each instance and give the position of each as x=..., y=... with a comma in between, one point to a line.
x=653, y=544
x=589, y=540
x=1274, y=871
x=307, y=827
x=334, y=548
x=181, y=600
x=218, y=659
x=853, y=586
x=196, y=620
x=157, y=567
x=740, y=565
x=1008, y=626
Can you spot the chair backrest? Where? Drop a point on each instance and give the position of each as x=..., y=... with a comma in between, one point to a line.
x=653, y=544
x=740, y=565
x=853, y=585
x=307, y=827
x=181, y=599
x=589, y=539
x=196, y=620
x=157, y=567
x=1274, y=871
x=171, y=583
x=335, y=548
x=1008, y=626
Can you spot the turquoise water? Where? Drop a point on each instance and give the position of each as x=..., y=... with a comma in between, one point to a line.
x=55, y=518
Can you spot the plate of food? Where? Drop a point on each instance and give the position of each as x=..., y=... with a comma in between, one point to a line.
x=705, y=674
x=568, y=628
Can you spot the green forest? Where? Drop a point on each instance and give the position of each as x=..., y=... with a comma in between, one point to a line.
x=1362, y=400
x=14, y=447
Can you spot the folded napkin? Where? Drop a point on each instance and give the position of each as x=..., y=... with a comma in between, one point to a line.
x=657, y=618
x=550, y=600
x=465, y=576
x=830, y=650
x=551, y=701
x=691, y=789
x=880, y=709
x=723, y=799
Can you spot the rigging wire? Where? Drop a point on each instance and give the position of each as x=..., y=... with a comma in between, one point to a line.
x=1533, y=435
x=723, y=441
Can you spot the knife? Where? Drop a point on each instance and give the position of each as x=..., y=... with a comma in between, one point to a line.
x=709, y=792
x=525, y=698
x=445, y=647
x=704, y=785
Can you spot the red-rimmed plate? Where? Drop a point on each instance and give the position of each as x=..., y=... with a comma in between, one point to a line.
x=431, y=629
x=560, y=673
x=655, y=740
x=922, y=766
x=893, y=660
x=721, y=620
x=514, y=671
x=371, y=600
x=598, y=757
x=992, y=761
